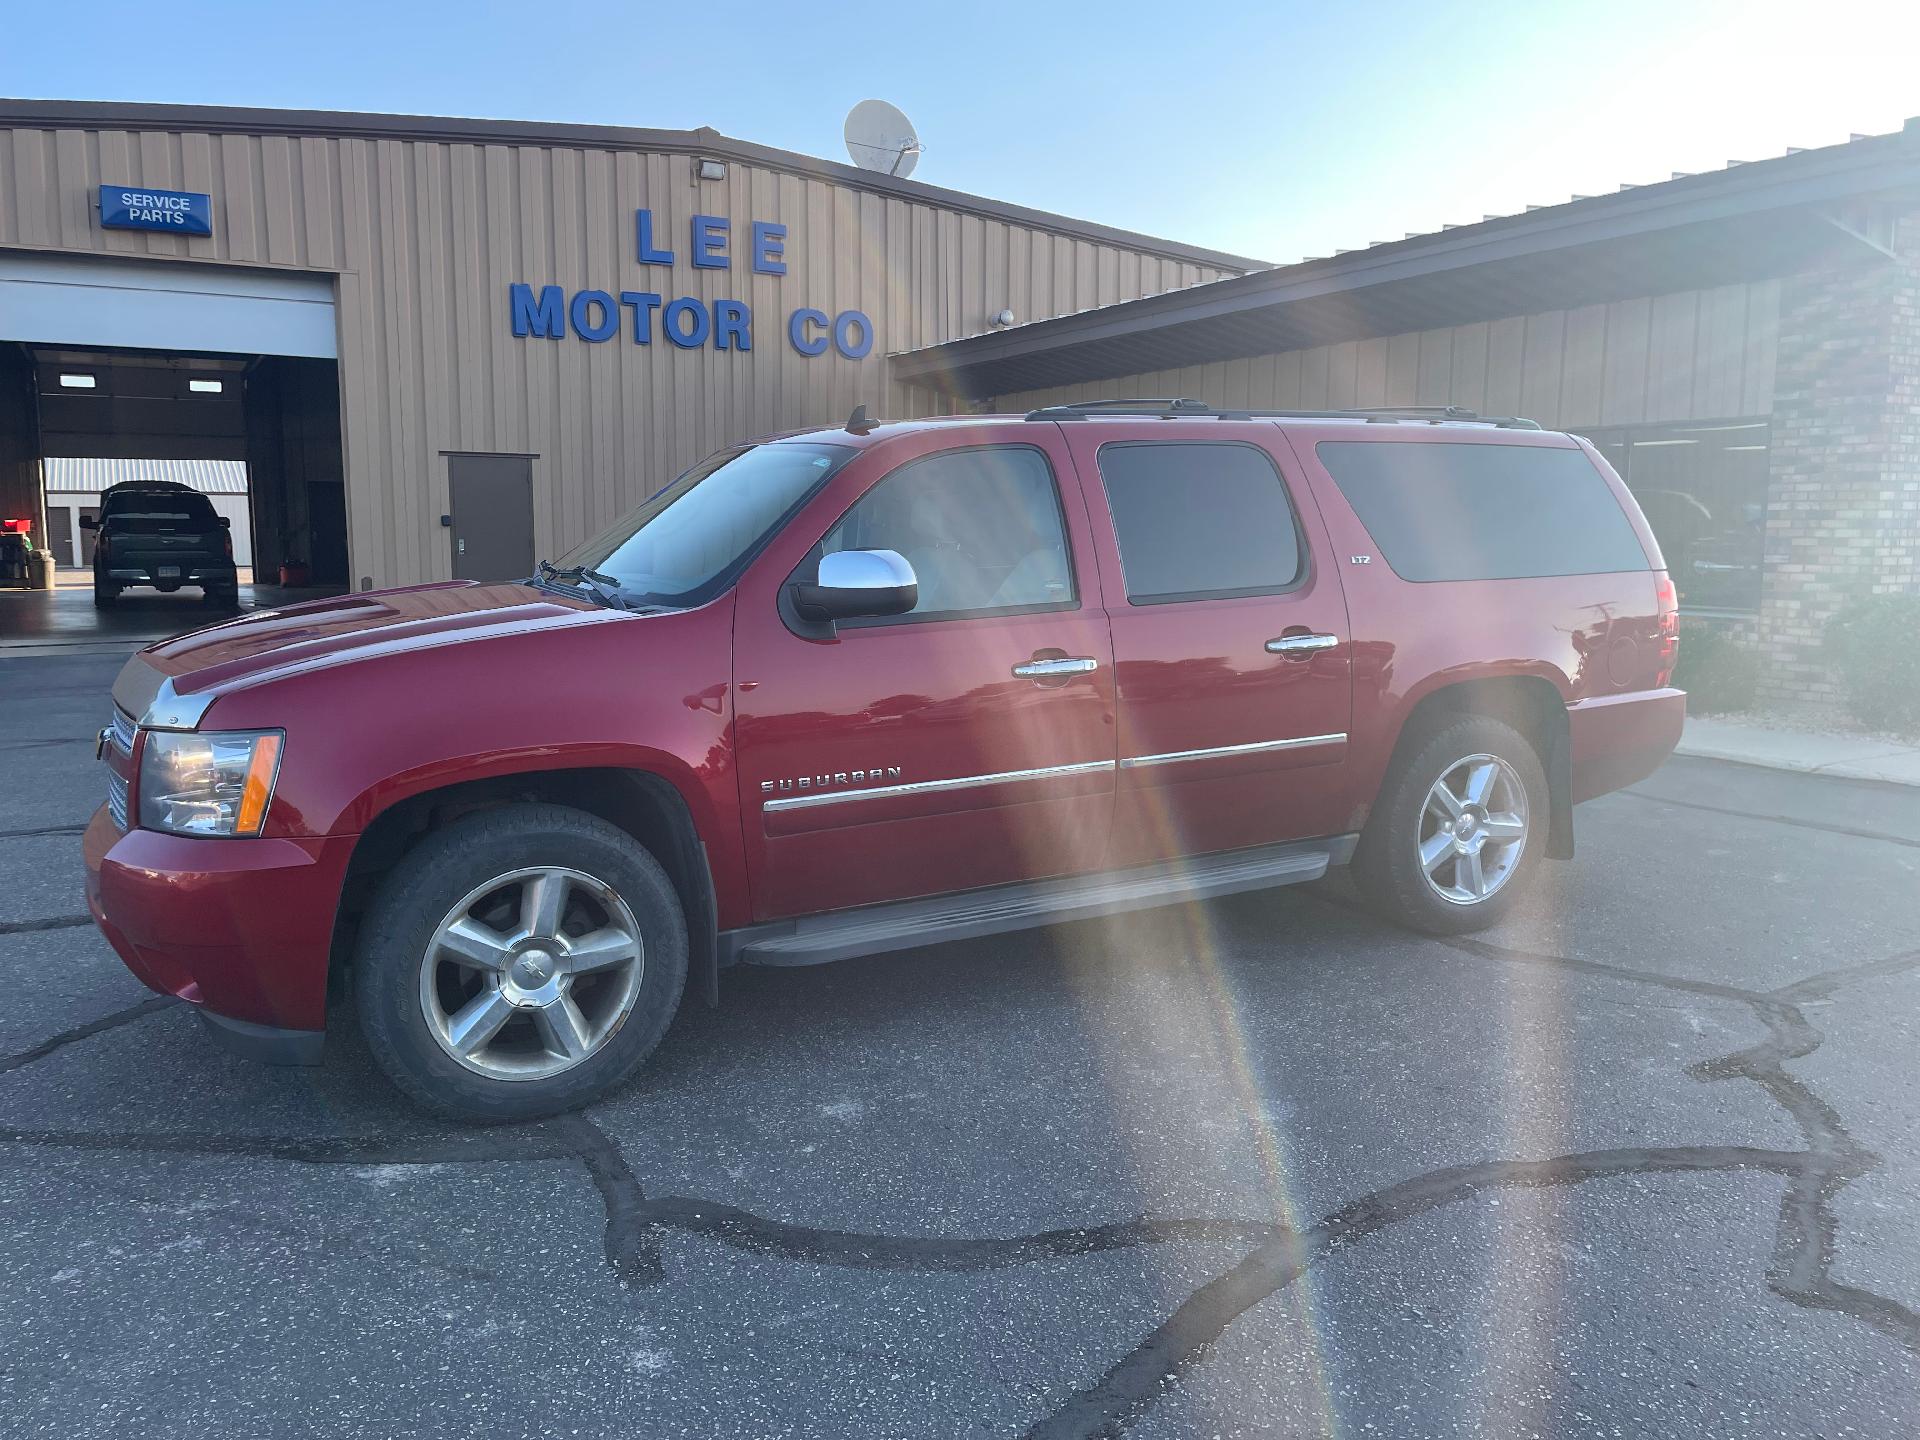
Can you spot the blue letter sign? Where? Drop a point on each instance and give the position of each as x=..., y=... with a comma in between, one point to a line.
x=132, y=207
x=685, y=322
x=542, y=317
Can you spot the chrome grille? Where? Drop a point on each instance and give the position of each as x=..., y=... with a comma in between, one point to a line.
x=123, y=731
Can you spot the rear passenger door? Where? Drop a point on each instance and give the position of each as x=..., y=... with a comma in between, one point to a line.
x=1230, y=640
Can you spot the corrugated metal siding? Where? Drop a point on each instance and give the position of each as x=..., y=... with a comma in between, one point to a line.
x=426, y=236
x=1695, y=355
x=66, y=475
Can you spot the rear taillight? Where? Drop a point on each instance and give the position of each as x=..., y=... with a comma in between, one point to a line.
x=226, y=540
x=1669, y=631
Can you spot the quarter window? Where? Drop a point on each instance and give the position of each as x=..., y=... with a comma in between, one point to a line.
x=1199, y=521
x=1484, y=512
x=981, y=528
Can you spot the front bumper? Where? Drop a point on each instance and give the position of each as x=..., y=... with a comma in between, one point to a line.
x=241, y=929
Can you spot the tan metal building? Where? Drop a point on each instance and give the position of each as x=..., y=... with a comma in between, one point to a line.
x=445, y=346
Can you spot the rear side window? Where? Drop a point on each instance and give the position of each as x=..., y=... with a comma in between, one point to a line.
x=1199, y=521
x=1483, y=512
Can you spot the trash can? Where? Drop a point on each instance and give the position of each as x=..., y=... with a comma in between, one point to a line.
x=40, y=570
x=14, y=543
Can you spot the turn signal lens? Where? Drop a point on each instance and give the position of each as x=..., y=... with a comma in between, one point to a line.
x=258, y=787
x=214, y=784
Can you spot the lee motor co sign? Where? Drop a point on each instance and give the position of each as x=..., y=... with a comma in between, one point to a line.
x=597, y=316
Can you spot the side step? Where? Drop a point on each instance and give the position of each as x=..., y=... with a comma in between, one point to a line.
x=898, y=926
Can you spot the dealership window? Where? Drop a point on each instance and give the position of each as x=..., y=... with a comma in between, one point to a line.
x=1703, y=488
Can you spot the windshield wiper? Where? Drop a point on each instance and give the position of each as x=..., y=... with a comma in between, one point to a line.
x=604, y=589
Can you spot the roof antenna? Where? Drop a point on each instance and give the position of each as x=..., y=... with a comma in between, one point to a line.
x=858, y=423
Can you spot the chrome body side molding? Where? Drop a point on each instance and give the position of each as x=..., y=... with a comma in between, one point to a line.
x=927, y=787
x=1178, y=757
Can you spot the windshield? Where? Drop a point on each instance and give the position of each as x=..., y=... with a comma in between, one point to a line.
x=689, y=542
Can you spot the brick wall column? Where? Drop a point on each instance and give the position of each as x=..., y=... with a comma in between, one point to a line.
x=1843, y=486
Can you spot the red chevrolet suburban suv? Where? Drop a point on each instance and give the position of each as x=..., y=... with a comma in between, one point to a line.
x=854, y=690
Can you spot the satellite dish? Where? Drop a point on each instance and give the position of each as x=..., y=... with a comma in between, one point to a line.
x=880, y=138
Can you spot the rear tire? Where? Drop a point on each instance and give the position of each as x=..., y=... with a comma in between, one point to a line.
x=1448, y=864
x=519, y=962
x=104, y=595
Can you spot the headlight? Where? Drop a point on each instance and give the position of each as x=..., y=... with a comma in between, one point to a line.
x=214, y=784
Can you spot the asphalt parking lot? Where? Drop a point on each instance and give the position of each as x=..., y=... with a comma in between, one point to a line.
x=1645, y=1161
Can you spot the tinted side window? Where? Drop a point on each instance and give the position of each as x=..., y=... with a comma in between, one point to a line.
x=1484, y=512
x=981, y=528
x=1199, y=521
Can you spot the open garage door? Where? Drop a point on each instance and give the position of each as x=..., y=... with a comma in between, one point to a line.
x=96, y=302
x=169, y=364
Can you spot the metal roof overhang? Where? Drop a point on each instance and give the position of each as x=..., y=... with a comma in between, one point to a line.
x=1749, y=222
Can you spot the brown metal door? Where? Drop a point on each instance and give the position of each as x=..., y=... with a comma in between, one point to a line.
x=492, y=511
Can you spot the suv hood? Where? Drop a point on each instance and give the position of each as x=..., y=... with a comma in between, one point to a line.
x=173, y=682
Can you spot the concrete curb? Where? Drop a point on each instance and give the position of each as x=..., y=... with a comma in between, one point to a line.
x=1847, y=757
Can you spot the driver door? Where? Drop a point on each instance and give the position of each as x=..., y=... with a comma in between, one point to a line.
x=921, y=754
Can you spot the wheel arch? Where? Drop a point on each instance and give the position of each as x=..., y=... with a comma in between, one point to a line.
x=1531, y=704
x=645, y=805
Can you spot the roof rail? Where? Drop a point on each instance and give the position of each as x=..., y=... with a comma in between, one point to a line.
x=1174, y=409
x=1166, y=407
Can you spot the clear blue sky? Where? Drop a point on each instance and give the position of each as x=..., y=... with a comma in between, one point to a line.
x=1275, y=131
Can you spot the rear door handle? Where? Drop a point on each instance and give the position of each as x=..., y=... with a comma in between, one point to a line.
x=1300, y=646
x=1055, y=669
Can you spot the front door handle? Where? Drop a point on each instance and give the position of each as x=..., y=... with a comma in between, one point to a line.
x=1299, y=647
x=1057, y=669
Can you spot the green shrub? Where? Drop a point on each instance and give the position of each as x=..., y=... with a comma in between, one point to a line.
x=1718, y=673
x=1874, y=647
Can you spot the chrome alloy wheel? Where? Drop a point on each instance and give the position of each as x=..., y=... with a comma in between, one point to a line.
x=1473, y=829
x=532, y=973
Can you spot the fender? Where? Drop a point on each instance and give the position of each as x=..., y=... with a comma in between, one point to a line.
x=368, y=735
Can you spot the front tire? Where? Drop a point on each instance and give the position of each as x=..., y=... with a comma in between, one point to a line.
x=1458, y=829
x=519, y=962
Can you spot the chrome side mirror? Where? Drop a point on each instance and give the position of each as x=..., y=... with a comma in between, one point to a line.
x=854, y=584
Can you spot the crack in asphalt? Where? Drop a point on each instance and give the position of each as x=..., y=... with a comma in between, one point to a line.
x=1801, y=1270
x=43, y=830
x=1855, y=831
x=138, y=1011
x=34, y=927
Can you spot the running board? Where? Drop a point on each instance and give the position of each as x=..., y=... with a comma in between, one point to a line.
x=817, y=939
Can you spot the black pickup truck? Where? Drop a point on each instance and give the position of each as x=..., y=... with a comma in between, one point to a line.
x=164, y=534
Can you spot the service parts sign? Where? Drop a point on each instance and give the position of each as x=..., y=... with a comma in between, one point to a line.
x=710, y=242
x=133, y=207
